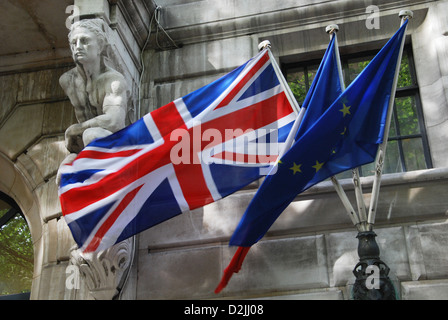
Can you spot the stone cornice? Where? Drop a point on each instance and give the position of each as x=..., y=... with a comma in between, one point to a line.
x=187, y=28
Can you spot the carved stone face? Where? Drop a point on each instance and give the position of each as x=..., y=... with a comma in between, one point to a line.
x=85, y=46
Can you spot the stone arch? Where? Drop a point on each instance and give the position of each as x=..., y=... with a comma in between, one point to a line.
x=15, y=185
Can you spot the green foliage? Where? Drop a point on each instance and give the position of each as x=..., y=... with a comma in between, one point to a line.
x=299, y=84
x=407, y=116
x=16, y=256
x=300, y=81
x=405, y=76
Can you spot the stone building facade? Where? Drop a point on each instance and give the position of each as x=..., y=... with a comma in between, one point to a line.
x=310, y=251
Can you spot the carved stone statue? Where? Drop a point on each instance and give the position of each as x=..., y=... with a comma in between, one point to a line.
x=97, y=92
x=99, y=95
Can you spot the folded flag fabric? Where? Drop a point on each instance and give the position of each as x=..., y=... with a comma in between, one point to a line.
x=184, y=155
x=326, y=80
x=345, y=136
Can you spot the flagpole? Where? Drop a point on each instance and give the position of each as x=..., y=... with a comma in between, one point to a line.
x=379, y=162
x=266, y=44
x=368, y=249
x=290, y=139
x=292, y=133
x=362, y=214
x=332, y=30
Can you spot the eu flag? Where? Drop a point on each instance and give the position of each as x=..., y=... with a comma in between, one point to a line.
x=345, y=136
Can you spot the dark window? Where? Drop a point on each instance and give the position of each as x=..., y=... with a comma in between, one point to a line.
x=407, y=147
x=16, y=251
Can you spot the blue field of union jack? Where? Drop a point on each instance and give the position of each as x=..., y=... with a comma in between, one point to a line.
x=128, y=182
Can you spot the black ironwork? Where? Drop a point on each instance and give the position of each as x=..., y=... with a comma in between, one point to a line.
x=372, y=275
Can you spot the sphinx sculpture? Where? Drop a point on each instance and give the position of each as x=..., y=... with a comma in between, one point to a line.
x=99, y=95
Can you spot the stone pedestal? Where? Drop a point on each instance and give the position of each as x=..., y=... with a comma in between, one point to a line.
x=105, y=272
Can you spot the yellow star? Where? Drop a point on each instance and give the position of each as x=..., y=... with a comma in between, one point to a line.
x=343, y=132
x=345, y=110
x=318, y=165
x=296, y=168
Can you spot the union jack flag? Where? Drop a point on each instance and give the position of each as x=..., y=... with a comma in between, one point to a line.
x=184, y=155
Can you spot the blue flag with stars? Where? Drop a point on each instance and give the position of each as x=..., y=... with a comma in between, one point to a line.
x=345, y=136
